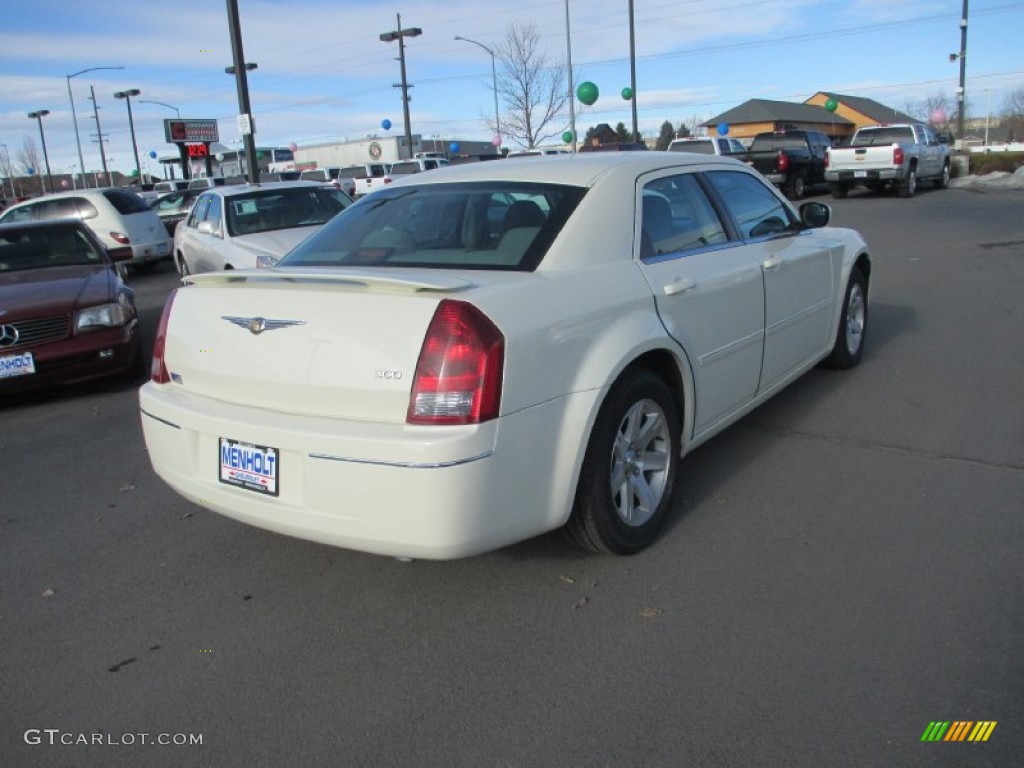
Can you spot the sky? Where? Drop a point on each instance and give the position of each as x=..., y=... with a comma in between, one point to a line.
x=324, y=75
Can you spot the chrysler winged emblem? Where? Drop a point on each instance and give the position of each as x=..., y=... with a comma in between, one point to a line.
x=257, y=325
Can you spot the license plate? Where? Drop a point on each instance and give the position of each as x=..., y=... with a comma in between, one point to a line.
x=860, y=174
x=248, y=466
x=21, y=364
x=163, y=249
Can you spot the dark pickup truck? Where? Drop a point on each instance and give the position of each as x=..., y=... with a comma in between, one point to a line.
x=791, y=160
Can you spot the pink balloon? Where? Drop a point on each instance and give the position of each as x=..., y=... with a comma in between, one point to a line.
x=293, y=146
x=496, y=141
x=938, y=115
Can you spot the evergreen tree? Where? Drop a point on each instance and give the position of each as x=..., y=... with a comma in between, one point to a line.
x=665, y=136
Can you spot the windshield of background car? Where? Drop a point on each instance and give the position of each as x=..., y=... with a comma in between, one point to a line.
x=469, y=225
x=45, y=247
x=267, y=210
x=869, y=137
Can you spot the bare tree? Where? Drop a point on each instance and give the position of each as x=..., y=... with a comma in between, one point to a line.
x=531, y=85
x=28, y=157
x=1012, y=116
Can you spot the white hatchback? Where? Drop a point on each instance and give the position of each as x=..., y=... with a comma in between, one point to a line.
x=118, y=217
x=466, y=359
x=251, y=225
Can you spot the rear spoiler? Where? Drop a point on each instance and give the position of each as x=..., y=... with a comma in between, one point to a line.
x=406, y=281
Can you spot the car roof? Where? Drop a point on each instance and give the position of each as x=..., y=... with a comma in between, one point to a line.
x=244, y=189
x=581, y=170
x=45, y=224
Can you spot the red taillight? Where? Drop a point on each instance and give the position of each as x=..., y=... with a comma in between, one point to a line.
x=158, y=371
x=897, y=155
x=783, y=161
x=459, y=372
x=120, y=237
x=828, y=157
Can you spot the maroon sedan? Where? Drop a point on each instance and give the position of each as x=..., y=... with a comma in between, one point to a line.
x=66, y=315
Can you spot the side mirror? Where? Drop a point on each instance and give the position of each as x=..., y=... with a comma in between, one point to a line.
x=206, y=228
x=815, y=214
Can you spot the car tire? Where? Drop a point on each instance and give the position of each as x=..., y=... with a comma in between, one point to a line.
x=797, y=188
x=908, y=186
x=853, y=324
x=628, y=472
x=943, y=181
x=839, y=191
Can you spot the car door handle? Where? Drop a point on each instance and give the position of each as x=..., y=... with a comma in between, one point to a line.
x=679, y=285
x=773, y=263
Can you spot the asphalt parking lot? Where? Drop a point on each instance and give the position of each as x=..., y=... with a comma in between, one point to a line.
x=843, y=567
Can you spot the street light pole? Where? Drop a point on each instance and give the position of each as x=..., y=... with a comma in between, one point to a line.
x=494, y=82
x=127, y=96
x=38, y=117
x=177, y=112
x=74, y=119
x=400, y=35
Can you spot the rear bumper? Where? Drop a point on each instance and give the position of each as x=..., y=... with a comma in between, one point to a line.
x=388, y=489
x=868, y=174
x=147, y=252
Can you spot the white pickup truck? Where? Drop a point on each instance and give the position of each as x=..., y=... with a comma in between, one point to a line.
x=888, y=156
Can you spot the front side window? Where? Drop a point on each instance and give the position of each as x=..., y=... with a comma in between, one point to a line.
x=474, y=225
x=199, y=211
x=677, y=216
x=753, y=205
x=213, y=213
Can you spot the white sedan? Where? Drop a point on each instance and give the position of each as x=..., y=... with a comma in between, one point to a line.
x=468, y=359
x=250, y=225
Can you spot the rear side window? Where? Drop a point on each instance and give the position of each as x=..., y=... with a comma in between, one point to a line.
x=125, y=202
x=60, y=208
x=676, y=217
x=477, y=225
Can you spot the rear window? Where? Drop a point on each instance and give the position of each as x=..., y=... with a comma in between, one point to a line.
x=778, y=141
x=125, y=202
x=477, y=225
x=399, y=169
x=698, y=147
x=867, y=137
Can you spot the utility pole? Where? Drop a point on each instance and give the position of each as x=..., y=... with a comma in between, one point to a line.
x=632, y=71
x=99, y=136
x=240, y=70
x=961, y=95
x=572, y=96
x=400, y=35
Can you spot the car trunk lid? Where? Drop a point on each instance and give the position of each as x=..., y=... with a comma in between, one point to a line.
x=334, y=343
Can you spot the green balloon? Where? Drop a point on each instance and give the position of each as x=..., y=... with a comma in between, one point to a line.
x=627, y=93
x=259, y=155
x=831, y=105
x=587, y=93
x=567, y=137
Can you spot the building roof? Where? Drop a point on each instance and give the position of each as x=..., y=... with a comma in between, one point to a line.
x=872, y=109
x=768, y=111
